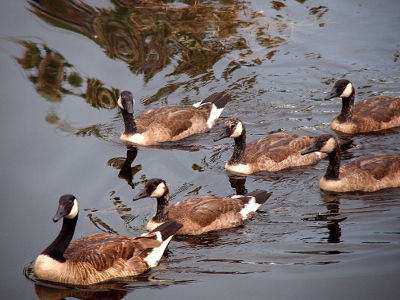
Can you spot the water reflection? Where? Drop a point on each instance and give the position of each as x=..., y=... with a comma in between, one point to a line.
x=53, y=293
x=238, y=183
x=113, y=290
x=149, y=35
x=127, y=172
x=212, y=239
x=53, y=77
x=332, y=223
x=204, y=41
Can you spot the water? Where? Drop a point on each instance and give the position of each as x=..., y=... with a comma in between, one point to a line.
x=277, y=61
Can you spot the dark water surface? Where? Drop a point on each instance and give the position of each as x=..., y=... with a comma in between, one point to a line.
x=63, y=64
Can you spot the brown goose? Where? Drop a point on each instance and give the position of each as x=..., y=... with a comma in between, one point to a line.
x=98, y=257
x=372, y=114
x=270, y=154
x=201, y=214
x=169, y=123
x=367, y=174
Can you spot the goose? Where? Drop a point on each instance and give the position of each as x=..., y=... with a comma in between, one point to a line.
x=169, y=123
x=201, y=214
x=98, y=257
x=366, y=174
x=372, y=114
x=270, y=153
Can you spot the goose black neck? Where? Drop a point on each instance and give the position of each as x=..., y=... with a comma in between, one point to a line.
x=239, y=148
x=57, y=248
x=129, y=121
x=347, y=108
x=162, y=208
x=332, y=172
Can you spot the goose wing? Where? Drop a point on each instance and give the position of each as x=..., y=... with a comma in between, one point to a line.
x=104, y=251
x=379, y=166
x=205, y=210
x=175, y=119
x=278, y=147
x=101, y=250
x=379, y=109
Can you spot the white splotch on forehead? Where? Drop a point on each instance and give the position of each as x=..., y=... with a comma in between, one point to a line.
x=74, y=211
x=347, y=91
x=159, y=191
x=238, y=130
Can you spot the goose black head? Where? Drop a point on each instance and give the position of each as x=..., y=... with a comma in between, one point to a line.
x=154, y=188
x=233, y=128
x=126, y=101
x=343, y=88
x=67, y=208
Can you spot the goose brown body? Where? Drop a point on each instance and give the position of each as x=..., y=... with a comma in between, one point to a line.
x=99, y=257
x=367, y=174
x=371, y=114
x=270, y=153
x=169, y=123
x=201, y=214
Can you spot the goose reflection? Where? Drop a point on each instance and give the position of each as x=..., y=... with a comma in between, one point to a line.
x=104, y=291
x=127, y=171
x=212, y=239
x=58, y=293
x=331, y=218
x=238, y=183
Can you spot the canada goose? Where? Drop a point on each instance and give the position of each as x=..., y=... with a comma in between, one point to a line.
x=270, y=153
x=169, y=123
x=98, y=257
x=372, y=114
x=367, y=174
x=201, y=214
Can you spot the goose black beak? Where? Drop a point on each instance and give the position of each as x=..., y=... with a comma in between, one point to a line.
x=140, y=195
x=312, y=148
x=221, y=136
x=59, y=214
x=332, y=94
x=128, y=105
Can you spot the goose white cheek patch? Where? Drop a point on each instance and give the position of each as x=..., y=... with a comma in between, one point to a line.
x=74, y=210
x=347, y=91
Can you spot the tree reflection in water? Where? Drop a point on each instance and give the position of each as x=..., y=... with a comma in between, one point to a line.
x=189, y=37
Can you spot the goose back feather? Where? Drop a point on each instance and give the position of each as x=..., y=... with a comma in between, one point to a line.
x=201, y=214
